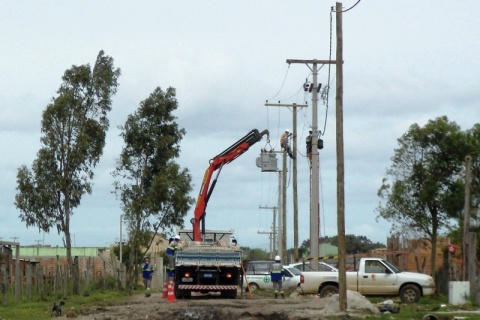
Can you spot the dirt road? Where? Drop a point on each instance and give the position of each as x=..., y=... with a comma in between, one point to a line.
x=206, y=307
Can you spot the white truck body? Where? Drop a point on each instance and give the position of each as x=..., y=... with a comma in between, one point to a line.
x=374, y=276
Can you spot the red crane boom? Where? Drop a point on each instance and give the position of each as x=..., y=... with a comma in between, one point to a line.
x=227, y=156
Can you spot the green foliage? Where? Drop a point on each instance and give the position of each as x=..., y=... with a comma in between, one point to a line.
x=426, y=189
x=152, y=187
x=73, y=130
x=254, y=254
x=353, y=244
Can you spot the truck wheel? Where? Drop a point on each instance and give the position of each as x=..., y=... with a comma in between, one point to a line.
x=253, y=286
x=328, y=291
x=410, y=294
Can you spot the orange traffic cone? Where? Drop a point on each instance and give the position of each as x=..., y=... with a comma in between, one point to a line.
x=165, y=290
x=171, y=293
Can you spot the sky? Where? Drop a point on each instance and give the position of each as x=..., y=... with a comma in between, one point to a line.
x=405, y=62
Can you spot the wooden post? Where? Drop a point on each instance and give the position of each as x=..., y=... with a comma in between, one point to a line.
x=18, y=274
x=76, y=276
x=57, y=277
x=40, y=283
x=28, y=274
x=472, y=267
x=65, y=278
x=466, y=219
x=4, y=285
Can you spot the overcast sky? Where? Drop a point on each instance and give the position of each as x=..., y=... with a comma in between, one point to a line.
x=405, y=62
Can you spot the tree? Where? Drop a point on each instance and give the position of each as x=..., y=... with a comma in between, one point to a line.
x=73, y=130
x=152, y=187
x=353, y=244
x=426, y=188
x=254, y=254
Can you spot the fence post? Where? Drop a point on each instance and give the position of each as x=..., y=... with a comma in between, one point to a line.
x=40, y=282
x=3, y=273
x=56, y=278
x=76, y=276
x=17, y=274
x=66, y=276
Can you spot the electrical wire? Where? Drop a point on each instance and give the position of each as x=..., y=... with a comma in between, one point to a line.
x=283, y=83
x=352, y=6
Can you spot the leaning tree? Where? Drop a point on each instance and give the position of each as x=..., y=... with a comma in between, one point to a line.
x=73, y=130
x=152, y=187
x=423, y=188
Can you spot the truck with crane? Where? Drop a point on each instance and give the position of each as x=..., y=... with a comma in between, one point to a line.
x=209, y=260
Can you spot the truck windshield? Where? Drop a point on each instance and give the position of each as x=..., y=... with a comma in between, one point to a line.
x=391, y=266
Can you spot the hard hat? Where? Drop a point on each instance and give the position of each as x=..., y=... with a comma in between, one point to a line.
x=177, y=237
x=286, y=130
x=310, y=129
x=277, y=258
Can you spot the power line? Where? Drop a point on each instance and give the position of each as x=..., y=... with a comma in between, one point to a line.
x=285, y=78
x=351, y=6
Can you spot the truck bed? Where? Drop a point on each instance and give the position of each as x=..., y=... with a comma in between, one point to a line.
x=197, y=254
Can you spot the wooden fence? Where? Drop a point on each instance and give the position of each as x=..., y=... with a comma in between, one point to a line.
x=38, y=282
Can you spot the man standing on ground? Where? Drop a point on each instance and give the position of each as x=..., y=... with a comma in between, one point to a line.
x=147, y=274
x=277, y=274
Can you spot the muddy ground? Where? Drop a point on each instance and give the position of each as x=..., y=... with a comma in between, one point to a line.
x=211, y=306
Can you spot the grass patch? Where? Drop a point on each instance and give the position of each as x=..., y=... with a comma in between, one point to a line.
x=75, y=306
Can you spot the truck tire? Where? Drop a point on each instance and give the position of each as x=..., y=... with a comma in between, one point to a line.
x=253, y=287
x=328, y=291
x=410, y=294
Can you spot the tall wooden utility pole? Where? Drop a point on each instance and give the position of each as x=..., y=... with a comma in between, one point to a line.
x=466, y=218
x=294, y=107
x=342, y=283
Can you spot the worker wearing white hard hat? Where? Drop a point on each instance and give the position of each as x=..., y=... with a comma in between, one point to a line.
x=277, y=274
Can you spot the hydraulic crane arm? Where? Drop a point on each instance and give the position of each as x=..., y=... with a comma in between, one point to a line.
x=227, y=156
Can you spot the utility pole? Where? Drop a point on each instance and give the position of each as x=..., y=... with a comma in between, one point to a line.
x=280, y=213
x=342, y=281
x=270, y=237
x=121, y=240
x=283, y=254
x=466, y=218
x=273, y=234
x=14, y=238
x=294, y=107
x=314, y=195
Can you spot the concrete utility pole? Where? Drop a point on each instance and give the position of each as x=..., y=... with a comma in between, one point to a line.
x=342, y=282
x=314, y=196
x=284, y=208
x=294, y=107
x=273, y=233
x=280, y=223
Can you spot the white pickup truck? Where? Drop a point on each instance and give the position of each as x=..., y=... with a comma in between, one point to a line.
x=374, y=276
